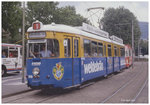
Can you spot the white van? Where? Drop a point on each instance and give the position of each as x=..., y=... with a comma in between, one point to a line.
x=11, y=58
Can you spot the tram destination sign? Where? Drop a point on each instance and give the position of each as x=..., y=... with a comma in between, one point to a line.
x=37, y=35
x=115, y=38
x=37, y=41
x=94, y=30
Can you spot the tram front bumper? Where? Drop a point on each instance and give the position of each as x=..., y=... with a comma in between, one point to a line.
x=34, y=83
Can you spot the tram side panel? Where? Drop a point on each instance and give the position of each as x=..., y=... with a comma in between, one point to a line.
x=53, y=72
x=92, y=68
x=76, y=71
x=109, y=65
x=122, y=63
x=128, y=55
x=116, y=64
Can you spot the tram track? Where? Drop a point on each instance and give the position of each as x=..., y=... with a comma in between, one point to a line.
x=35, y=96
x=39, y=96
x=17, y=93
x=17, y=96
x=37, y=99
x=46, y=100
x=123, y=87
x=141, y=89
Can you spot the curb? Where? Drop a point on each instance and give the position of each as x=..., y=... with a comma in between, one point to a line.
x=9, y=95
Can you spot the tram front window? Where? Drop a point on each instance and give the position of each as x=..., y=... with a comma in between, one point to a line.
x=44, y=50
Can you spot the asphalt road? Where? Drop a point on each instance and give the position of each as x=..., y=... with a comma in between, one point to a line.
x=12, y=83
x=128, y=86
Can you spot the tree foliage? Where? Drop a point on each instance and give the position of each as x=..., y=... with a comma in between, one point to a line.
x=144, y=47
x=11, y=20
x=118, y=22
x=42, y=11
x=48, y=12
x=67, y=15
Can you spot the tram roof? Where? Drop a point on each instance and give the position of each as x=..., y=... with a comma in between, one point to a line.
x=68, y=29
x=114, y=42
x=72, y=30
x=7, y=44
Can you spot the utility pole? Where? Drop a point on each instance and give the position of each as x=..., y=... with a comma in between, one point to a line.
x=132, y=39
x=23, y=49
x=132, y=45
x=138, y=49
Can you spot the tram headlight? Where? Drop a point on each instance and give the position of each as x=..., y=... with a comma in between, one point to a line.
x=36, y=71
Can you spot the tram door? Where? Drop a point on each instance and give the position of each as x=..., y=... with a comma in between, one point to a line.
x=76, y=60
x=71, y=48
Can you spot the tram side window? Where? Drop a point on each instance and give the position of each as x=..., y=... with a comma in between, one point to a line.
x=118, y=51
x=13, y=52
x=67, y=47
x=104, y=50
x=109, y=50
x=94, y=48
x=126, y=53
x=20, y=51
x=87, y=48
x=53, y=47
x=100, y=49
x=76, y=48
x=130, y=52
x=122, y=52
x=115, y=51
x=4, y=52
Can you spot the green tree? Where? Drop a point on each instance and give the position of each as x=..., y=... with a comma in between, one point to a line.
x=11, y=21
x=115, y=21
x=48, y=12
x=67, y=15
x=144, y=47
x=42, y=11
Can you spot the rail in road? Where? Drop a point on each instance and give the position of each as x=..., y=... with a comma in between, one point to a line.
x=129, y=86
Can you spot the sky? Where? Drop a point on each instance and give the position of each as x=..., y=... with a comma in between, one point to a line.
x=138, y=8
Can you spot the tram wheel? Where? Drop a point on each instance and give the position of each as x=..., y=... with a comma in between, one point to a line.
x=18, y=72
x=4, y=71
x=106, y=76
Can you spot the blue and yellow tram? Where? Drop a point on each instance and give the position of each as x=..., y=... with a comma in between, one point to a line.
x=64, y=56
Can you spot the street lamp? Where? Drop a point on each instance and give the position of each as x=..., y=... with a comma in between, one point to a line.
x=139, y=41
